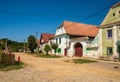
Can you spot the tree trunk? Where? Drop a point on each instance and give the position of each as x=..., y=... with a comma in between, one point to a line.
x=55, y=51
x=46, y=52
x=32, y=51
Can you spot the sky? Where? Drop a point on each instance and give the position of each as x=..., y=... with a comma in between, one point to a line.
x=21, y=18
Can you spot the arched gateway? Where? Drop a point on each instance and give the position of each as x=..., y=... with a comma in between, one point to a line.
x=78, y=50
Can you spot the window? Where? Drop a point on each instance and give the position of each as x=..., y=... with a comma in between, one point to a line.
x=109, y=33
x=69, y=44
x=50, y=42
x=59, y=40
x=56, y=41
x=109, y=50
x=113, y=14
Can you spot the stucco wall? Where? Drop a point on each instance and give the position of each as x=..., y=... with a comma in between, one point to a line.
x=64, y=43
x=71, y=50
x=118, y=32
x=60, y=31
x=94, y=50
x=107, y=42
x=110, y=18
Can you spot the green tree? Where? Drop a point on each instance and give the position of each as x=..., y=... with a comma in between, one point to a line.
x=54, y=46
x=32, y=43
x=47, y=48
x=13, y=45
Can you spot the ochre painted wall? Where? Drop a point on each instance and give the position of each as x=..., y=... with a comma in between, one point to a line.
x=105, y=41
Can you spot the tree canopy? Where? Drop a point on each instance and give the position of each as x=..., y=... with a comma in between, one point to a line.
x=54, y=46
x=47, y=48
x=13, y=45
x=32, y=43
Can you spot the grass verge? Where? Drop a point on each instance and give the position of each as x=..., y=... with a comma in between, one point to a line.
x=48, y=56
x=43, y=55
x=80, y=61
x=15, y=66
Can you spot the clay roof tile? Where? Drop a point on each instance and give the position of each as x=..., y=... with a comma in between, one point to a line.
x=46, y=37
x=80, y=29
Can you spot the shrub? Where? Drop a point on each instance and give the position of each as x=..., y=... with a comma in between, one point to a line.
x=47, y=48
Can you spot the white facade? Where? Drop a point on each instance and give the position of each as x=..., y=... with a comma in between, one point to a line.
x=62, y=40
x=71, y=50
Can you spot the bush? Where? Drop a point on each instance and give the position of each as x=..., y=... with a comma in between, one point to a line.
x=47, y=48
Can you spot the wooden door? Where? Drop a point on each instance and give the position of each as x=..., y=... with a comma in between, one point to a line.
x=65, y=52
x=78, y=50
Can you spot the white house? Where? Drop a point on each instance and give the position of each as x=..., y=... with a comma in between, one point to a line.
x=73, y=37
x=45, y=39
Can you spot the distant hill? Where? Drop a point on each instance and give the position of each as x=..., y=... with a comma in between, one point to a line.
x=13, y=45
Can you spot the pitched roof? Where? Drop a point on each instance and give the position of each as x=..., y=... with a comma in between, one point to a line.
x=79, y=29
x=113, y=15
x=116, y=5
x=45, y=37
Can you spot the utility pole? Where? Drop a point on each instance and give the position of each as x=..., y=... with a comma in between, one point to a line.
x=24, y=45
x=36, y=42
x=6, y=49
x=36, y=35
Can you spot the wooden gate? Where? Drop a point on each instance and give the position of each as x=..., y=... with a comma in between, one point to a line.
x=65, y=52
x=78, y=50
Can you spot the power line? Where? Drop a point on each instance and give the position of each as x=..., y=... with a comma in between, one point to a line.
x=92, y=15
x=97, y=12
x=98, y=15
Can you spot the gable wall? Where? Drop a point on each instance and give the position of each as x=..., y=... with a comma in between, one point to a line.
x=110, y=18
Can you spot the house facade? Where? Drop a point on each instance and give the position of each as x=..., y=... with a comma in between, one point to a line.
x=73, y=39
x=110, y=32
x=45, y=39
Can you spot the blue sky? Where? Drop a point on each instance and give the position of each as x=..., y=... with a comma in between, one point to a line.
x=21, y=18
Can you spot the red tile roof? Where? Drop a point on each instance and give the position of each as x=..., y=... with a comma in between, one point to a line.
x=45, y=37
x=79, y=29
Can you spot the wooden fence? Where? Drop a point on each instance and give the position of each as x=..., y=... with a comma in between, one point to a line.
x=6, y=58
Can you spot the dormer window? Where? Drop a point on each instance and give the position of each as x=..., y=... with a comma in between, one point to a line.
x=113, y=14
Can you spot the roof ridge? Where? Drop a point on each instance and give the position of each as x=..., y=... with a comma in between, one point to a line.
x=116, y=4
x=79, y=23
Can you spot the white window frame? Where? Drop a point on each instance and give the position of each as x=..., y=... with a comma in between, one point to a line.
x=108, y=50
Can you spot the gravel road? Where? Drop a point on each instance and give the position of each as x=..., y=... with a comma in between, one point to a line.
x=56, y=70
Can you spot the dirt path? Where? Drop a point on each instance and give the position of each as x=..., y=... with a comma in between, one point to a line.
x=56, y=70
